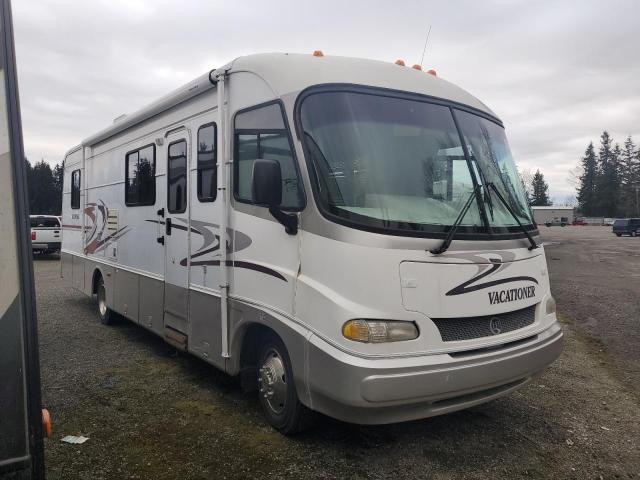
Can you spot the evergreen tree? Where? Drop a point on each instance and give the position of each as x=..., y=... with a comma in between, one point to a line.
x=629, y=177
x=45, y=198
x=539, y=190
x=587, y=199
x=58, y=176
x=608, y=181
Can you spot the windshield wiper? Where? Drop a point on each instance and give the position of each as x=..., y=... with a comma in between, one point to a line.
x=447, y=240
x=513, y=214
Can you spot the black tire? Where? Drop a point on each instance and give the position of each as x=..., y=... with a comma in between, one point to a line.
x=106, y=315
x=282, y=409
x=618, y=234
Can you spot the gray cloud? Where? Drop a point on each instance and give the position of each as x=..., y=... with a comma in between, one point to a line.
x=556, y=72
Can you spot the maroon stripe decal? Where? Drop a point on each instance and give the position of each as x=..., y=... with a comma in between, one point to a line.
x=241, y=264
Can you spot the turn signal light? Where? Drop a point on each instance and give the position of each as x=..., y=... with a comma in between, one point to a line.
x=400, y=62
x=551, y=305
x=33, y=236
x=417, y=67
x=432, y=72
x=318, y=53
x=47, y=425
x=379, y=331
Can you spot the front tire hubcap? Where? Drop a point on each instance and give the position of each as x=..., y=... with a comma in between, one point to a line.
x=272, y=382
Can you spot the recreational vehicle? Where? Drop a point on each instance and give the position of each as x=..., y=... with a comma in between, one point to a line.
x=348, y=236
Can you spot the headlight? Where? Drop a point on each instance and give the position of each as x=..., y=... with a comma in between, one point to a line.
x=379, y=331
x=551, y=305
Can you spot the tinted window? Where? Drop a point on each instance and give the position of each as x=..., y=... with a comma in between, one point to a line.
x=621, y=223
x=207, y=163
x=140, y=181
x=177, y=177
x=75, y=189
x=44, y=222
x=261, y=133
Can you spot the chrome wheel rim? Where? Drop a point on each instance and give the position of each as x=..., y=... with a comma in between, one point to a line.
x=273, y=382
x=102, y=303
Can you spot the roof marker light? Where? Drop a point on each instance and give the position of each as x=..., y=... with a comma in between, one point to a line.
x=400, y=62
x=318, y=53
x=417, y=67
x=431, y=71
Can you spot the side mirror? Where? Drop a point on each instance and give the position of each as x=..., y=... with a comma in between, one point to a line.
x=266, y=190
x=266, y=183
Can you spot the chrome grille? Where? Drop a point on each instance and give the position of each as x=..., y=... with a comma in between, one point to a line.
x=467, y=328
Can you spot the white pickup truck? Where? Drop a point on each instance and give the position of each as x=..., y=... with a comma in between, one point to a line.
x=46, y=234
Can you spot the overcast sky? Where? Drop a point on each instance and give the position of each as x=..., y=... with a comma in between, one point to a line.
x=556, y=72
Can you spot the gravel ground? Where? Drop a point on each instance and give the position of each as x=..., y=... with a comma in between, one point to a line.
x=595, y=277
x=152, y=413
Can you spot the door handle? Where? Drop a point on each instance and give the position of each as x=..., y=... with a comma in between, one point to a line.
x=160, y=240
x=167, y=225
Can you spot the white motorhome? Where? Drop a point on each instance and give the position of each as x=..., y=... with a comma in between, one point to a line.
x=349, y=236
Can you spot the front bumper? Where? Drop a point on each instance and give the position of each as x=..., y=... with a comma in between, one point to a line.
x=388, y=390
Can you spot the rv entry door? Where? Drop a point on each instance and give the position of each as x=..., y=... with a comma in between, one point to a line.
x=176, y=280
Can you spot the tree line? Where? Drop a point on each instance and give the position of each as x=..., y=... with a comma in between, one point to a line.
x=44, y=185
x=609, y=180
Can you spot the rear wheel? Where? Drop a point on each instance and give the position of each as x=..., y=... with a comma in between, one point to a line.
x=105, y=313
x=276, y=389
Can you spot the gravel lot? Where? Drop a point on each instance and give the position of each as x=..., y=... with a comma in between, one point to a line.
x=595, y=277
x=152, y=413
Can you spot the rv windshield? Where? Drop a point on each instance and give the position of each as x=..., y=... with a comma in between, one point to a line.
x=393, y=163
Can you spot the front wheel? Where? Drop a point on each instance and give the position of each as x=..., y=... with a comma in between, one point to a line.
x=105, y=313
x=618, y=234
x=276, y=388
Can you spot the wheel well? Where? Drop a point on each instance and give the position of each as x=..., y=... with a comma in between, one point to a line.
x=249, y=355
x=97, y=274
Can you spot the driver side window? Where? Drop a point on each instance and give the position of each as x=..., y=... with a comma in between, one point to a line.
x=261, y=133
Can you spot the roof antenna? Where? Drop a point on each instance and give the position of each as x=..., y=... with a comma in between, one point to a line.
x=425, y=45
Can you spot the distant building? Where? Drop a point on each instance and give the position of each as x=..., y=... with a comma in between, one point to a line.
x=553, y=215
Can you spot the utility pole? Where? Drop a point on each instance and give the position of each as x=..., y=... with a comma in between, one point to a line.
x=637, y=203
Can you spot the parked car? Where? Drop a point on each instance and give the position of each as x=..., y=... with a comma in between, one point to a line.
x=579, y=221
x=627, y=226
x=562, y=222
x=45, y=234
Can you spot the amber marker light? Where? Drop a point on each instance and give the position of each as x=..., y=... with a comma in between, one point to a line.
x=318, y=53
x=47, y=425
x=431, y=71
x=400, y=62
x=417, y=67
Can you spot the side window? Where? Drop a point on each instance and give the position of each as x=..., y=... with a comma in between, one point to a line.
x=207, y=155
x=177, y=177
x=75, y=189
x=261, y=133
x=140, y=177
